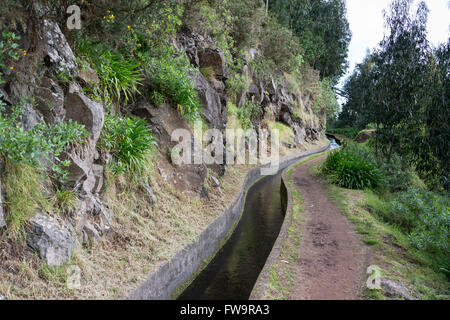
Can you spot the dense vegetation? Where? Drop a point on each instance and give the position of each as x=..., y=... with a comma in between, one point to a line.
x=348, y=132
x=352, y=167
x=129, y=45
x=401, y=198
x=403, y=88
x=323, y=32
x=129, y=140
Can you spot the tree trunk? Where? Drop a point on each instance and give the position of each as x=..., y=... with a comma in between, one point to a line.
x=376, y=137
x=391, y=148
x=378, y=125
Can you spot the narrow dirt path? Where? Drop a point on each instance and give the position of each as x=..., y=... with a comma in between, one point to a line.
x=330, y=255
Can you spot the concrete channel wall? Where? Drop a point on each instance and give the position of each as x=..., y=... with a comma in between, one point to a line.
x=173, y=276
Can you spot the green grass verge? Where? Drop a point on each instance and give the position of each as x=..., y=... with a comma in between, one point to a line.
x=391, y=248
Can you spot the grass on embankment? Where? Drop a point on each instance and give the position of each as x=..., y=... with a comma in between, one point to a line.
x=391, y=248
x=145, y=236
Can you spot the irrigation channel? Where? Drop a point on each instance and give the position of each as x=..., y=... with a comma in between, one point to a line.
x=233, y=272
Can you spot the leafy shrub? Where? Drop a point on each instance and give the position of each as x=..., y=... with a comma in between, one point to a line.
x=247, y=112
x=398, y=175
x=157, y=98
x=8, y=49
x=119, y=75
x=248, y=20
x=212, y=19
x=169, y=77
x=263, y=67
x=130, y=25
x=42, y=143
x=286, y=57
x=325, y=102
x=425, y=217
x=129, y=140
x=236, y=84
x=352, y=167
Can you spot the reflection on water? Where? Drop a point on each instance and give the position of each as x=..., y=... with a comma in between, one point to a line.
x=232, y=274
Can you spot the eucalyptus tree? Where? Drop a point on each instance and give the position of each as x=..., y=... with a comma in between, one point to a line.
x=359, y=91
x=323, y=30
x=402, y=62
x=431, y=149
x=404, y=87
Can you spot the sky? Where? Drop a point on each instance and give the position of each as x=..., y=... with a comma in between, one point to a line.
x=367, y=25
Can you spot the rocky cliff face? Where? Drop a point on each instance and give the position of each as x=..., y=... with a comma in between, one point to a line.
x=284, y=104
x=53, y=239
x=90, y=219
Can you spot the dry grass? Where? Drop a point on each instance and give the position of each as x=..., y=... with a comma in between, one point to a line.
x=25, y=190
x=144, y=237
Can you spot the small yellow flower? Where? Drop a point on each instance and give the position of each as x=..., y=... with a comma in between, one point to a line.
x=107, y=20
x=128, y=27
x=12, y=68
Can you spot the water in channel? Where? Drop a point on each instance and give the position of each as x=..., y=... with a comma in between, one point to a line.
x=233, y=272
x=333, y=143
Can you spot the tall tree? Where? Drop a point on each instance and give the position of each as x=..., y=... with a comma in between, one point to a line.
x=432, y=148
x=323, y=30
x=404, y=87
x=403, y=57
